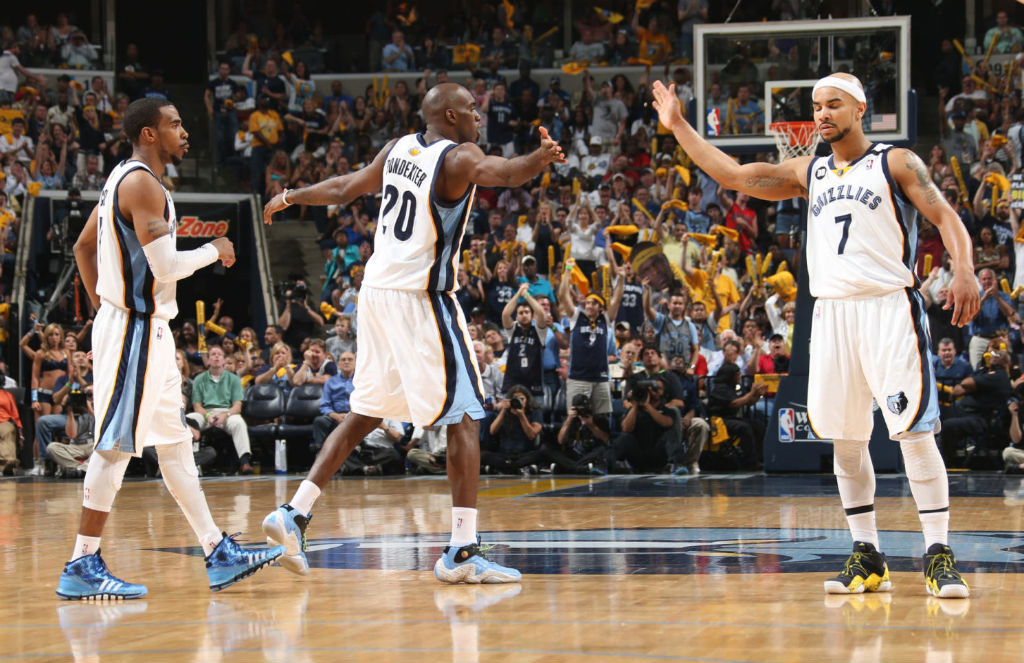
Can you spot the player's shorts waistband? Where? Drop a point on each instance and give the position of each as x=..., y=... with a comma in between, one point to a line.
x=126, y=311
x=863, y=298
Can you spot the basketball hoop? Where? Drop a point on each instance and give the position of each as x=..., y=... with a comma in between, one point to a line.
x=794, y=139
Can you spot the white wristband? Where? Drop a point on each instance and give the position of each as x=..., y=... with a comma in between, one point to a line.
x=284, y=197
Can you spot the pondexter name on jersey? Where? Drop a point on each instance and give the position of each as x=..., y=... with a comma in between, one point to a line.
x=407, y=169
x=193, y=226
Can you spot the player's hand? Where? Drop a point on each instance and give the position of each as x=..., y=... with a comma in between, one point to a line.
x=963, y=298
x=273, y=206
x=552, y=153
x=666, y=103
x=225, y=250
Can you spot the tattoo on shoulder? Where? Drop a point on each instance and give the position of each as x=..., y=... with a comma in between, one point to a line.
x=915, y=165
x=157, y=228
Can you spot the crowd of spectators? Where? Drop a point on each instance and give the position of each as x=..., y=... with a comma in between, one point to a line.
x=627, y=313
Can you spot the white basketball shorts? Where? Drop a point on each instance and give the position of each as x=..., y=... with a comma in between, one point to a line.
x=873, y=347
x=415, y=361
x=136, y=384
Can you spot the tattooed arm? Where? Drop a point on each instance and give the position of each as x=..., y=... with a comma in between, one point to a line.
x=910, y=173
x=765, y=181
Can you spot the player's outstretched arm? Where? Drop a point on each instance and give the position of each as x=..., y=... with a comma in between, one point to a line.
x=762, y=180
x=85, y=256
x=334, y=191
x=910, y=173
x=469, y=161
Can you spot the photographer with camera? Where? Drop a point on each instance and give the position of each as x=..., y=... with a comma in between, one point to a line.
x=650, y=429
x=297, y=319
x=72, y=457
x=725, y=401
x=514, y=432
x=582, y=446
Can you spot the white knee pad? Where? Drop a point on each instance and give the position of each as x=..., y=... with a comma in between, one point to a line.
x=848, y=457
x=921, y=457
x=177, y=464
x=103, y=479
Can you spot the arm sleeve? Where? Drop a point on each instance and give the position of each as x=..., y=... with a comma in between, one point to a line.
x=169, y=264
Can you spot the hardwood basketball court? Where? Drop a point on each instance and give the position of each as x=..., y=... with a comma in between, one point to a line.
x=708, y=568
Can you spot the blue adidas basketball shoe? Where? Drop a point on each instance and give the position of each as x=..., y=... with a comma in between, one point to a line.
x=469, y=565
x=287, y=527
x=87, y=578
x=230, y=562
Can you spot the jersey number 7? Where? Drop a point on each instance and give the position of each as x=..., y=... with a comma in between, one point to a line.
x=846, y=220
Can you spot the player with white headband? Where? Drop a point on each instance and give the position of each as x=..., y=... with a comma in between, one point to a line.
x=869, y=334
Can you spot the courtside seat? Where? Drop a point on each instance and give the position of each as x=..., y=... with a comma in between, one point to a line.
x=303, y=406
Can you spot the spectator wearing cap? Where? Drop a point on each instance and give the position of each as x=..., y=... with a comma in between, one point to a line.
x=539, y=286
x=609, y=119
x=595, y=164
x=959, y=143
x=555, y=88
x=589, y=332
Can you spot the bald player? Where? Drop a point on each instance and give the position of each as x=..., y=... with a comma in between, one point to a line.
x=869, y=335
x=414, y=361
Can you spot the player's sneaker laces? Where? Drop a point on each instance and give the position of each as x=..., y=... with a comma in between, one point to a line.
x=230, y=562
x=87, y=578
x=940, y=575
x=865, y=570
x=287, y=527
x=468, y=564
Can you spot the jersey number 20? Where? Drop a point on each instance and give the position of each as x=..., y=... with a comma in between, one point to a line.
x=406, y=211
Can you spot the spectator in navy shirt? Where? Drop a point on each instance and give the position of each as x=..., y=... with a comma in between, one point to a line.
x=225, y=121
x=334, y=404
x=502, y=120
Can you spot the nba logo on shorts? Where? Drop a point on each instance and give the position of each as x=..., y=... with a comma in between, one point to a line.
x=787, y=425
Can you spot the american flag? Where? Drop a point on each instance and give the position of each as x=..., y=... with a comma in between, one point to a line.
x=883, y=122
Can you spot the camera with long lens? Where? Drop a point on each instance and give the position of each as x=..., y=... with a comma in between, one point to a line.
x=291, y=289
x=516, y=403
x=642, y=391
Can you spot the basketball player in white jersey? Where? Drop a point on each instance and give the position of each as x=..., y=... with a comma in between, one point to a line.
x=869, y=336
x=415, y=362
x=129, y=264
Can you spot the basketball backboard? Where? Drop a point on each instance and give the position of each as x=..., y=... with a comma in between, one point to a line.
x=779, y=64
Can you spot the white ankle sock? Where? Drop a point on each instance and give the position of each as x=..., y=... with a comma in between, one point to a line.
x=85, y=545
x=304, y=497
x=935, y=525
x=862, y=527
x=463, y=526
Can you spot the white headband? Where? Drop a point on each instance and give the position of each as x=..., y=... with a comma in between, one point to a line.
x=846, y=86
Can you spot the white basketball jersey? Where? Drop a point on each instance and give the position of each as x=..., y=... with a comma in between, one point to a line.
x=861, y=229
x=125, y=279
x=416, y=245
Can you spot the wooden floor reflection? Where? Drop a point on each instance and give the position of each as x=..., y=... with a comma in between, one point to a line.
x=715, y=575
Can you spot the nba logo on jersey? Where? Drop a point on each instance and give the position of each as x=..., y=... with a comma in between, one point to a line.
x=787, y=425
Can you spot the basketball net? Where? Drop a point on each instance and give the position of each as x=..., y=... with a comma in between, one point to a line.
x=794, y=139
